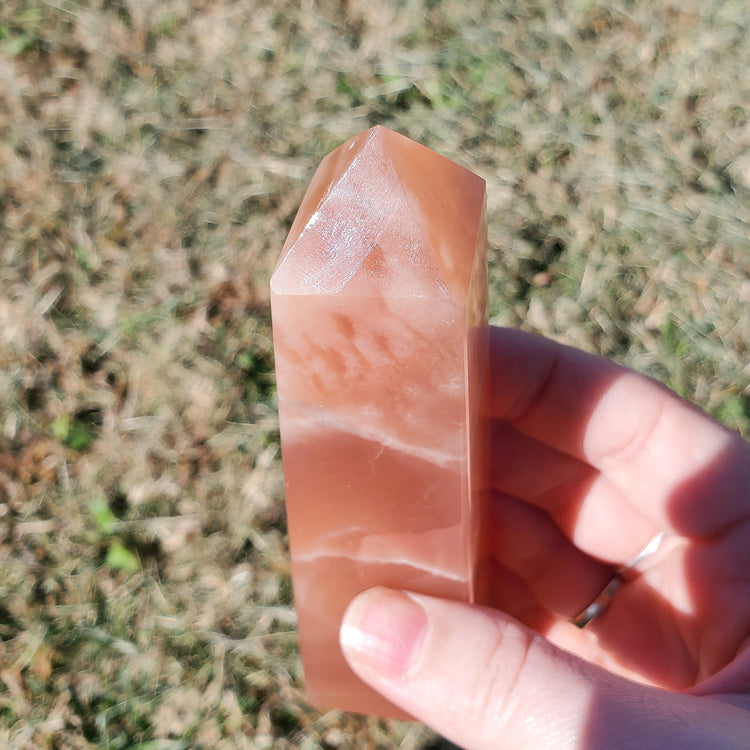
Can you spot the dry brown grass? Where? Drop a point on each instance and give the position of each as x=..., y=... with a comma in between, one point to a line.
x=152, y=156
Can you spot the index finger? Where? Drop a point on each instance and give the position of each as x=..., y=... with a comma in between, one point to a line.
x=677, y=466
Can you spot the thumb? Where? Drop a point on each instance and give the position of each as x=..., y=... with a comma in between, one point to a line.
x=485, y=681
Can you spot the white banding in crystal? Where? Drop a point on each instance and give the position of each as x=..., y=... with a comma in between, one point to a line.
x=297, y=427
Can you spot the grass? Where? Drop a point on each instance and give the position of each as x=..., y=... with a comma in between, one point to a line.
x=152, y=157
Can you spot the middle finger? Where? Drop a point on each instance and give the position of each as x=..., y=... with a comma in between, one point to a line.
x=584, y=505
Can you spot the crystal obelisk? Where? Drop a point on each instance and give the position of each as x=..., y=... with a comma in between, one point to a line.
x=379, y=304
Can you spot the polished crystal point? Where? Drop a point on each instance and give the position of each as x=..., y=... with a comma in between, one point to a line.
x=379, y=305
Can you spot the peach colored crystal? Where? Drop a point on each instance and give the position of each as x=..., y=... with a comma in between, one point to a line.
x=379, y=302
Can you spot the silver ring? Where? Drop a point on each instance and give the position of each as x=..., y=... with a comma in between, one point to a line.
x=629, y=570
x=623, y=573
x=599, y=605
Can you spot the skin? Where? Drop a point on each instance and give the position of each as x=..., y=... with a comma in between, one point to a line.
x=588, y=462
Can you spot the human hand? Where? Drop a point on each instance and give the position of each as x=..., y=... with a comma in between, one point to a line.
x=590, y=462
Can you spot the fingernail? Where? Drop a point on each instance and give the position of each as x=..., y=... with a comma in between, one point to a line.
x=382, y=631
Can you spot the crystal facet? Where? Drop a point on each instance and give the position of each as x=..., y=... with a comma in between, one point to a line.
x=379, y=303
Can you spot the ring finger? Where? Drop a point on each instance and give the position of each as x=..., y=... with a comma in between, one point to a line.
x=524, y=540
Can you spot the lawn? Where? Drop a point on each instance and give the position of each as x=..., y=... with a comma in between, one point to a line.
x=152, y=156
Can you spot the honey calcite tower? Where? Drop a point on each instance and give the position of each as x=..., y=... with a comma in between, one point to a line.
x=379, y=306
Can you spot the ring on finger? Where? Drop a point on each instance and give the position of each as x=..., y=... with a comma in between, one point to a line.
x=629, y=570
x=599, y=606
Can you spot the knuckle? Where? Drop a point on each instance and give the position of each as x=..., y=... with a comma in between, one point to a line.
x=501, y=690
